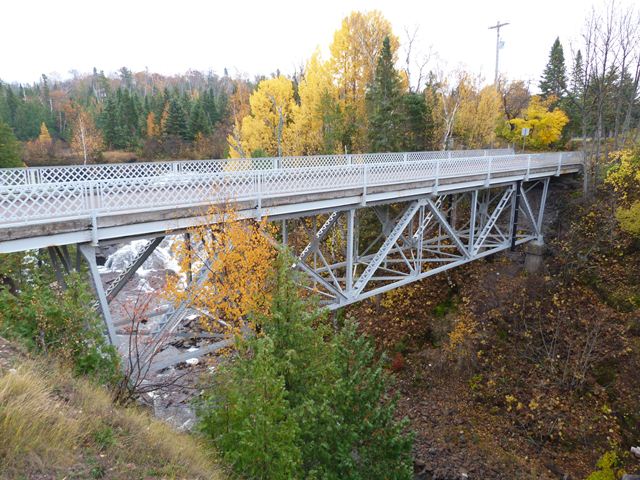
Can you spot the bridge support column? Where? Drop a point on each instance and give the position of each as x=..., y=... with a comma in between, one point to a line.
x=534, y=256
x=89, y=253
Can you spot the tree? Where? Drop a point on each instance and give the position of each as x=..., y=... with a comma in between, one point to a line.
x=247, y=415
x=86, y=139
x=237, y=258
x=478, y=114
x=176, y=120
x=354, y=51
x=384, y=104
x=417, y=129
x=545, y=124
x=554, y=78
x=515, y=98
x=268, y=127
x=311, y=122
x=336, y=391
x=9, y=148
x=198, y=121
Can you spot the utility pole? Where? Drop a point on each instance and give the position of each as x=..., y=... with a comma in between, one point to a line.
x=497, y=26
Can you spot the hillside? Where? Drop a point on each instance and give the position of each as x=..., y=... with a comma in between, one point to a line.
x=61, y=426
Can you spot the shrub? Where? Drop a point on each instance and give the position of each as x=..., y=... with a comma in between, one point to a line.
x=320, y=397
x=52, y=320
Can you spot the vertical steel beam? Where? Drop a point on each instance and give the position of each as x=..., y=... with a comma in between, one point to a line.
x=89, y=253
x=349, y=254
x=543, y=201
x=57, y=268
x=514, y=220
x=472, y=219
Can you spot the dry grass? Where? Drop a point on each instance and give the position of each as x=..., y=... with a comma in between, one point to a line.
x=55, y=425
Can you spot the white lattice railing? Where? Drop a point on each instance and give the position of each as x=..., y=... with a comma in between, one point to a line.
x=21, y=204
x=120, y=171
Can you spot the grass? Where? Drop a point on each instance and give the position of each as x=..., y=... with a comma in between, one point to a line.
x=65, y=427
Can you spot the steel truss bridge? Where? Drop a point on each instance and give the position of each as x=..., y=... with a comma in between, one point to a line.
x=359, y=224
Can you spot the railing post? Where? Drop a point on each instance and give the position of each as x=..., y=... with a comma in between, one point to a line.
x=365, y=169
x=528, y=166
x=349, y=160
x=404, y=157
x=559, y=164
x=437, y=183
x=488, y=180
x=258, y=180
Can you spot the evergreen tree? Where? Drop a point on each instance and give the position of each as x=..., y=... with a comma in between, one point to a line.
x=384, y=104
x=29, y=116
x=418, y=123
x=176, y=123
x=324, y=397
x=112, y=129
x=9, y=148
x=12, y=105
x=198, y=121
x=554, y=78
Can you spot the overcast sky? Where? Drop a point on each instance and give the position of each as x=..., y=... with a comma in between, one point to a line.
x=258, y=37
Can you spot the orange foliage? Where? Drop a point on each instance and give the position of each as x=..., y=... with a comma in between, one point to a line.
x=237, y=256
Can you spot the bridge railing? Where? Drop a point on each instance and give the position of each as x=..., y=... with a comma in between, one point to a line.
x=119, y=171
x=57, y=201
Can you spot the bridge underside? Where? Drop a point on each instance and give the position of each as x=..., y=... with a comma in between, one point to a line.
x=356, y=251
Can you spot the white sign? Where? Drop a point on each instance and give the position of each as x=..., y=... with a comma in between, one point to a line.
x=525, y=131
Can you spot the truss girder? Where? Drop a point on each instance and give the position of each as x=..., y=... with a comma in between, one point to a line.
x=420, y=238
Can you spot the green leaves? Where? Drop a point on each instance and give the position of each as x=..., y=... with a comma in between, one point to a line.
x=302, y=401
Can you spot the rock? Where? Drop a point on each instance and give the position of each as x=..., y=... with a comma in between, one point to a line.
x=636, y=451
x=626, y=476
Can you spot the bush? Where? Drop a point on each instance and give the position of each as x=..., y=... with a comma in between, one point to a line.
x=324, y=396
x=62, y=322
x=248, y=417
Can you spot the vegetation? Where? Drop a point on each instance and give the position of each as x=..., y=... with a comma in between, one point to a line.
x=301, y=401
x=55, y=321
x=55, y=423
x=9, y=148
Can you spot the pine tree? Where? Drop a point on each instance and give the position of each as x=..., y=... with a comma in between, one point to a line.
x=198, y=121
x=418, y=123
x=9, y=148
x=554, y=78
x=384, y=104
x=176, y=123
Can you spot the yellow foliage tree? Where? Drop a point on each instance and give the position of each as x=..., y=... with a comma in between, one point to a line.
x=545, y=124
x=152, y=127
x=624, y=176
x=44, y=137
x=354, y=56
x=41, y=147
x=268, y=128
x=308, y=126
x=86, y=139
x=478, y=115
x=237, y=257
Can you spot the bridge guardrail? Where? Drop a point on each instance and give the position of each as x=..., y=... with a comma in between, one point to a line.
x=93, y=198
x=119, y=171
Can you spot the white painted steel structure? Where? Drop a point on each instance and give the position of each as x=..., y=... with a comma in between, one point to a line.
x=360, y=225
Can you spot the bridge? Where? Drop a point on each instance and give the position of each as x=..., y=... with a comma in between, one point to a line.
x=359, y=224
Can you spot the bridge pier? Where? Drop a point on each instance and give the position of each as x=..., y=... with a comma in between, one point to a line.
x=534, y=256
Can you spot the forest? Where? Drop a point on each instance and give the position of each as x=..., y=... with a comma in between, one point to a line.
x=483, y=372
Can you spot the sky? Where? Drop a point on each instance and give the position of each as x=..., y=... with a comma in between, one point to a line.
x=258, y=37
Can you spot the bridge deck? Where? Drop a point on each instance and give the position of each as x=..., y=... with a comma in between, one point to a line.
x=83, y=204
